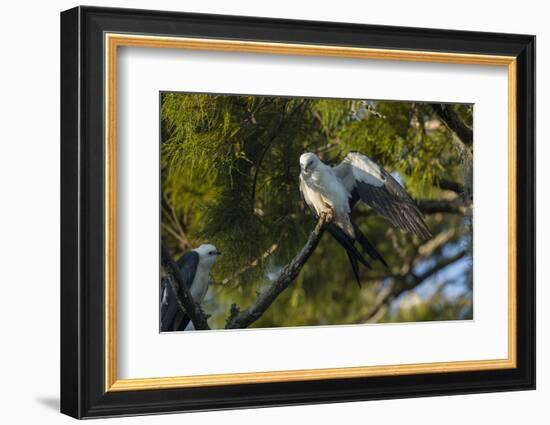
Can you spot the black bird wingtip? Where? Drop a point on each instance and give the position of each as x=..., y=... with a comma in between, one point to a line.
x=353, y=254
x=367, y=246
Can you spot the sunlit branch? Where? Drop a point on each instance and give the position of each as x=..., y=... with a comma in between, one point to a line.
x=285, y=278
x=183, y=242
x=177, y=229
x=252, y=264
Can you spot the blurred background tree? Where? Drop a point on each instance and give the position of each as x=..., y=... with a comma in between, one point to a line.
x=230, y=177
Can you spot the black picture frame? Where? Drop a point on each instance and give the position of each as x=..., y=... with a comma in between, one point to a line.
x=83, y=392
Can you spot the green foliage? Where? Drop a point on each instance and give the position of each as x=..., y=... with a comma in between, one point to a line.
x=230, y=177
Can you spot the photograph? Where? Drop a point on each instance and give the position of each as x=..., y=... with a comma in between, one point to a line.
x=293, y=211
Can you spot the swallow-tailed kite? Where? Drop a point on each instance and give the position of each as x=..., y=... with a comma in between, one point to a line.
x=195, y=267
x=336, y=190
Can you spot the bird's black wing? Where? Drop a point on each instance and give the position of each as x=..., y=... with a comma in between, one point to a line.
x=169, y=307
x=373, y=185
x=367, y=246
x=172, y=317
x=188, y=264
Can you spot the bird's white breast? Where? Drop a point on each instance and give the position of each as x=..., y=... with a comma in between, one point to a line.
x=331, y=189
x=328, y=193
x=200, y=283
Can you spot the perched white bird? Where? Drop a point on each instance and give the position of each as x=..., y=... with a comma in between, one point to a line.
x=334, y=191
x=195, y=267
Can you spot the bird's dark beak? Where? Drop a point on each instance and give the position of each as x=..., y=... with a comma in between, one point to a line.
x=218, y=252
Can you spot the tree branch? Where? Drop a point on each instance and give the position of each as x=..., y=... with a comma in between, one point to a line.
x=451, y=119
x=380, y=302
x=183, y=295
x=183, y=242
x=428, y=206
x=408, y=282
x=286, y=277
x=177, y=231
x=451, y=185
x=433, y=206
x=252, y=264
x=446, y=261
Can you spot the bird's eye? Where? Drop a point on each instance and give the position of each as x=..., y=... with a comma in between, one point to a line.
x=211, y=253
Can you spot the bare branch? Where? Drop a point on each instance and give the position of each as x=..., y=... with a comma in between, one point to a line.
x=451, y=185
x=183, y=295
x=183, y=242
x=328, y=147
x=176, y=229
x=407, y=282
x=252, y=264
x=430, y=246
x=427, y=206
x=446, y=261
x=454, y=123
x=433, y=206
x=284, y=280
x=378, y=314
x=379, y=303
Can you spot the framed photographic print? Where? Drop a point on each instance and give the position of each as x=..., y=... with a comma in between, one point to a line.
x=262, y=212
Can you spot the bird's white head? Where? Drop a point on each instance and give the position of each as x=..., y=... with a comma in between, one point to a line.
x=308, y=162
x=207, y=254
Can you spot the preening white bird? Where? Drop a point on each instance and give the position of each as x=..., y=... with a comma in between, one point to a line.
x=335, y=190
x=195, y=267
